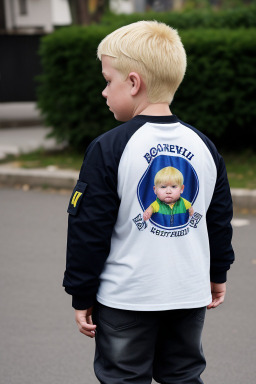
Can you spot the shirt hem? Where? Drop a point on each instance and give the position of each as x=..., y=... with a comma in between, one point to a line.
x=155, y=307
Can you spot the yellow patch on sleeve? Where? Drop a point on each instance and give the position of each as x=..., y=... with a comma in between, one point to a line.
x=76, y=197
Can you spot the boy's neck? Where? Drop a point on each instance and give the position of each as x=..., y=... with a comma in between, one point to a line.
x=159, y=109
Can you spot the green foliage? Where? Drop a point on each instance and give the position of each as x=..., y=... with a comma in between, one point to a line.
x=69, y=91
x=218, y=91
x=216, y=96
x=238, y=17
x=217, y=4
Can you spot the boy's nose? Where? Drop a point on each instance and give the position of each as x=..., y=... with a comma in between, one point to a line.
x=104, y=94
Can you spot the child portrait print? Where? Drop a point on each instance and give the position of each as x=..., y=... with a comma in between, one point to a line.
x=167, y=192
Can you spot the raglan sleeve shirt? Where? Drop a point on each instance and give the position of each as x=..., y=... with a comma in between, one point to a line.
x=112, y=164
x=92, y=211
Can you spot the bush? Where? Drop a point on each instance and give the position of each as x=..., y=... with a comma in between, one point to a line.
x=238, y=17
x=69, y=91
x=217, y=94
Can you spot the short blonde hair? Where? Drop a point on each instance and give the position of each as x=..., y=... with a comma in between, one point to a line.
x=153, y=50
x=169, y=175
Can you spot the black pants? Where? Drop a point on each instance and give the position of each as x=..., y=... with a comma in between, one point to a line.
x=133, y=347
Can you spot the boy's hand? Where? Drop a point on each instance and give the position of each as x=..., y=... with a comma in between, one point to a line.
x=218, y=294
x=191, y=211
x=84, y=322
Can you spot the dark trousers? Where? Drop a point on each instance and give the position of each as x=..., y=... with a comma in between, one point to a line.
x=133, y=347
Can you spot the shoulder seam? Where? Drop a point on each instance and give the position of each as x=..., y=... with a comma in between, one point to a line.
x=208, y=143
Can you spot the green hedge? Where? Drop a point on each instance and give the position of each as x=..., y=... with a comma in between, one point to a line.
x=238, y=17
x=69, y=90
x=217, y=94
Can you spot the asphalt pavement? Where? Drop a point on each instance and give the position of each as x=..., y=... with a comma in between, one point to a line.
x=40, y=342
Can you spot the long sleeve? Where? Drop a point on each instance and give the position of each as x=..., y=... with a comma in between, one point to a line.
x=92, y=211
x=219, y=216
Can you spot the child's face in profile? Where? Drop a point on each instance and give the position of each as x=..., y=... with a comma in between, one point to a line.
x=117, y=91
x=168, y=192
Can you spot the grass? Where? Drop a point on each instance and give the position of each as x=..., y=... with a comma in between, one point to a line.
x=241, y=167
x=62, y=159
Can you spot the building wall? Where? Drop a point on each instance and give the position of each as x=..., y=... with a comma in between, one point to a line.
x=38, y=15
x=2, y=15
x=20, y=37
x=41, y=14
x=122, y=6
x=19, y=66
x=130, y=6
x=61, y=14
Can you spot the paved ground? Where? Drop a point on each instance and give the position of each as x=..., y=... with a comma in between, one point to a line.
x=21, y=129
x=22, y=110
x=19, y=114
x=40, y=343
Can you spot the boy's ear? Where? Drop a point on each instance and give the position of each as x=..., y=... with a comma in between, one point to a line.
x=182, y=188
x=136, y=82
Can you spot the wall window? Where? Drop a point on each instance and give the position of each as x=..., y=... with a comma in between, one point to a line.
x=23, y=7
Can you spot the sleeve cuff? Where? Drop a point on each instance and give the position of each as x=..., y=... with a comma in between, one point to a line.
x=82, y=303
x=218, y=277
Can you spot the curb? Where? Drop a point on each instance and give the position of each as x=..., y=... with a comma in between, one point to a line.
x=243, y=199
x=20, y=123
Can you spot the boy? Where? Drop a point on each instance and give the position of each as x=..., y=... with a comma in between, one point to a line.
x=147, y=286
x=168, y=186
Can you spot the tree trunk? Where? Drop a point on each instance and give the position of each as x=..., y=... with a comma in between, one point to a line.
x=85, y=12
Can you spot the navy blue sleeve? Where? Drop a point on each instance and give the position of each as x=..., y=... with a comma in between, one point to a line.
x=219, y=216
x=92, y=211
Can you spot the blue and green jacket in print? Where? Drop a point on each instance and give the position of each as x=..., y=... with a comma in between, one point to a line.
x=172, y=215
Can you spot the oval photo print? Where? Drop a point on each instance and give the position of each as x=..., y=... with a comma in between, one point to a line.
x=167, y=192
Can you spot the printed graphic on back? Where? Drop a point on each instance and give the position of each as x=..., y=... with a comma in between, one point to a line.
x=167, y=192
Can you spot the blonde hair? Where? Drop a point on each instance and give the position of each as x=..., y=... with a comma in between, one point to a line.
x=153, y=50
x=169, y=175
